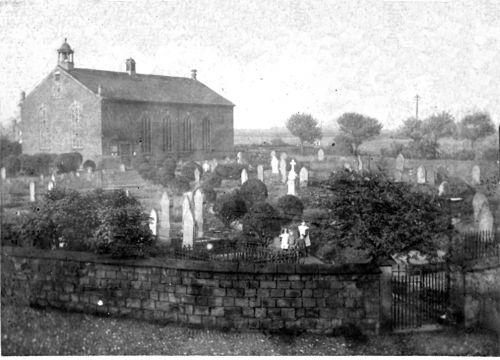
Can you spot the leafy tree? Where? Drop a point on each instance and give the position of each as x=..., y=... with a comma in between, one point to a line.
x=358, y=128
x=476, y=126
x=380, y=218
x=262, y=221
x=230, y=207
x=440, y=125
x=305, y=127
x=412, y=128
x=253, y=191
x=290, y=208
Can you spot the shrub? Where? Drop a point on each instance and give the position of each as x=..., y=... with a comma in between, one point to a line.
x=12, y=165
x=277, y=141
x=148, y=172
x=187, y=170
x=210, y=194
x=178, y=185
x=68, y=162
x=8, y=148
x=230, y=207
x=490, y=154
x=253, y=191
x=89, y=164
x=231, y=171
x=290, y=208
x=262, y=221
x=213, y=180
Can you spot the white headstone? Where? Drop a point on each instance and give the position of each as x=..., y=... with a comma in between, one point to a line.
x=478, y=202
x=239, y=157
x=347, y=166
x=291, y=178
x=198, y=212
x=431, y=175
x=187, y=222
x=398, y=175
x=291, y=187
x=206, y=166
x=127, y=193
x=321, y=155
x=260, y=173
x=3, y=173
x=360, y=163
x=443, y=188
x=32, y=191
x=400, y=163
x=476, y=175
x=51, y=185
x=421, y=174
x=292, y=168
x=485, y=219
x=153, y=222
x=53, y=178
x=303, y=177
x=122, y=167
x=196, y=175
x=283, y=170
x=213, y=165
x=244, y=176
x=275, y=165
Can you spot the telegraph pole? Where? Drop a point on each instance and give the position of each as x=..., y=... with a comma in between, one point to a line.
x=417, y=98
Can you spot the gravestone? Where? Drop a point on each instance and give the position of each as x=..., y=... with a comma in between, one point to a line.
x=431, y=176
x=3, y=173
x=187, y=222
x=485, y=219
x=206, y=166
x=213, y=165
x=244, y=176
x=42, y=178
x=122, y=167
x=283, y=156
x=347, y=166
x=275, y=165
x=189, y=194
x=291, y=179
x=53, y=178
x=239, y=157
x=153, y=222
x=443, y=189
x=32, y=191
x=283, y=170
x=198, y=212
x=50, y=186
x=360, y=163
x=400, y=163
x=127, y=193
x=398, y=175
x=476, y=175
x=260, y=173
x=321, y=155
x=165, y=217
x=303, y=177
x=478, y=202
x=196, y=175
x=421, y=174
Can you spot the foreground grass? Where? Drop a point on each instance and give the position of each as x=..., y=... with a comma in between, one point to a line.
x=27, y=331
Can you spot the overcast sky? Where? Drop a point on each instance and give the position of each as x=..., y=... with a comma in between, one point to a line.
x=273, y=58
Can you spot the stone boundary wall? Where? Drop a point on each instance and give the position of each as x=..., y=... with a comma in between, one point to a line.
x=314, y=298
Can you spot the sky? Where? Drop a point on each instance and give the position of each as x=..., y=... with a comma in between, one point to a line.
x=273, y=58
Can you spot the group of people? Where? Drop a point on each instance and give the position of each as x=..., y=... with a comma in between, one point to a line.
x=296, y=238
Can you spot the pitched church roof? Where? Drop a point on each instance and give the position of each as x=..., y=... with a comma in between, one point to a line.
x=148, y=88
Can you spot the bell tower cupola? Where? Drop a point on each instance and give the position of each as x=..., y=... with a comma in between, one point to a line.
x=65, y=56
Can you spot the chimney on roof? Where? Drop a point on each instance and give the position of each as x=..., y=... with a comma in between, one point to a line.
x=193, y=74
x=130, y=66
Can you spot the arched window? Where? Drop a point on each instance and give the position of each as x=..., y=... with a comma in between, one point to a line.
x=167, y=133
x=187, y=143
x=43, y=127
x=206, y=133
x=145, y=134
x=76, y=125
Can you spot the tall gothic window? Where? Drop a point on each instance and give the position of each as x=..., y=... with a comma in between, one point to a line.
x=146, y=134
x=76, y=125
x=43, y=127
x=167, y=133
x=206, y=133
x=187, y=143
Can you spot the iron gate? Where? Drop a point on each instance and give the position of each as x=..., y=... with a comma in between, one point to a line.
x=420, y=295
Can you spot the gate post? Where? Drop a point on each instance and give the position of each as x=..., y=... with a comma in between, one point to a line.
x=386, y=297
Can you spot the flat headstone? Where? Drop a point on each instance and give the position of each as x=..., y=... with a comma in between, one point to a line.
x=165, y=217
x=400, y=162
x=321, y=155
x=122, y=167
x=421, y=175
x=3, y=173
x=153, y=222
x=275, y=165
x=198, y=212
x=260, y=173
x=478, y=202
x=476, y=175
x=196, y=175
x=50, y=186
x=32, y=191
x=244, y=176
x=283, y=171
x=187, y=222
x=303, y=177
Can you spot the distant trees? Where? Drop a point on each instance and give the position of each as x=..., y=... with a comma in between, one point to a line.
x=305, y=127
x=476, y=126
x=357, y=128
x=438, y=126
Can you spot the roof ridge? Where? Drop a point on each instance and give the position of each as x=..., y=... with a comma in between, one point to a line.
x=136, y=74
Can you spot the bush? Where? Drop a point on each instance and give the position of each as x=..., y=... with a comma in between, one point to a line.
x=213, y=180
x=187, y=170
x=262, y=221
x=178, y=185
x=277, y=141
x=148, y=172
x=89, y=164
x=230, y=207
x=68, y=162
x=490, y=154
x=464, y=154
x=12, y=165
x=8, y=148
x=210, y=194
x=253, y=191
x=290, y=208
x=230, y=171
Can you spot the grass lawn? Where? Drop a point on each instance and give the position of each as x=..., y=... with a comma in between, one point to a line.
x=27, y=331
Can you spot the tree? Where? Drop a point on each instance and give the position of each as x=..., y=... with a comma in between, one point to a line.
x=290, y=208
x=253, y=191
x=262, y=221
x=230, y=207
x=412, y=128
x=379, y=217
x=440, y=125
x=358, y=128
x=305, y=127
x=476, y=126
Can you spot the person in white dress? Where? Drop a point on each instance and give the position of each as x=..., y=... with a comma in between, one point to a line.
x=284, y=239
x=304, y=234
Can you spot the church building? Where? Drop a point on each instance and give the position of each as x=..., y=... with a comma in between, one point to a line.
x=106, y=113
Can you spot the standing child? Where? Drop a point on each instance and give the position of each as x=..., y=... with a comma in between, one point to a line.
x=284, y=239
x=304, y=234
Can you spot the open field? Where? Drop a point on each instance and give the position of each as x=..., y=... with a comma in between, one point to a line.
x=27, y=331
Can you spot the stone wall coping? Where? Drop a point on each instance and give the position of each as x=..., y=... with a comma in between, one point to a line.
x=210, y=266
